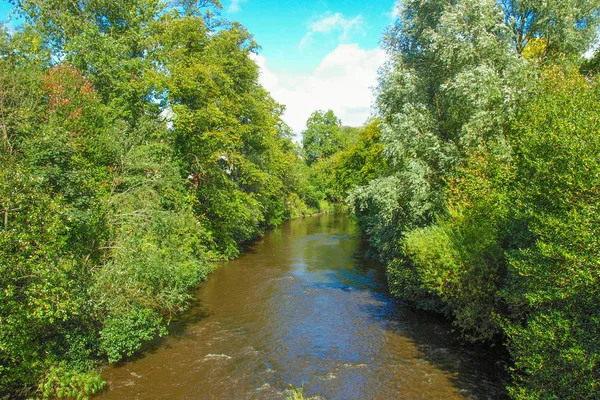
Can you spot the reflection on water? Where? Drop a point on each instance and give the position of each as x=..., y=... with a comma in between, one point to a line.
x=304, y=307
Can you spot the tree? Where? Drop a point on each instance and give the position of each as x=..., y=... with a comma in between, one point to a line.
x=565, y=27
x=359, y=163
x=486, y=212
x=323, y=136
x=109, y=213
x=449, y=90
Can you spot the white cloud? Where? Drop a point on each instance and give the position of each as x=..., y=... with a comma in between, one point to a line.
x=395, y=11
x=343, y=82
x=235, y=5
x=332, y=23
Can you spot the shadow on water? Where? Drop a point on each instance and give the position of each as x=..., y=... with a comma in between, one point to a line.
x=479, y=370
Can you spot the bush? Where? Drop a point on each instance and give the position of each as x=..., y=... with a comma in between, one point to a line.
x=553, y=285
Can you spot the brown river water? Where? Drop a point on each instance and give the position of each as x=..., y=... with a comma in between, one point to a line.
x=303, y=306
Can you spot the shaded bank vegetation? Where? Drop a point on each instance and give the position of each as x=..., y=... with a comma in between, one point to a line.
x=137, y=146
x=487, y=210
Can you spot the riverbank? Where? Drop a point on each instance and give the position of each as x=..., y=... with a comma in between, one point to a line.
x=303, y=305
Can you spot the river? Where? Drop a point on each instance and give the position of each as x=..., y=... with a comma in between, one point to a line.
x=303, y=306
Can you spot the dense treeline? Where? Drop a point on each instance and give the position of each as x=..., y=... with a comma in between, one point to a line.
x=338, y=157
x=487, y=208
x=136, y=146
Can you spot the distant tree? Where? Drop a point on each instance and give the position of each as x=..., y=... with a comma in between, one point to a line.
x=360, y=162
x=323, y=136
x=351, y=135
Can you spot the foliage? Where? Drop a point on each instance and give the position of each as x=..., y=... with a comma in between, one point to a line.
x=236, y=156
x=137, y=145
x=591, y=67
x=460, y=259
x=295, y=393
x=564, y=27
x=337, y=158
x=552, y=282
x=359, y=163
x=63, y=382
x=444, y=96
x=323, y=136
x=486, y=208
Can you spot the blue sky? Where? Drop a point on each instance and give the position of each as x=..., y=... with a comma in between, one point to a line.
x=5, y=9
x=315, y=54
x=280, y=26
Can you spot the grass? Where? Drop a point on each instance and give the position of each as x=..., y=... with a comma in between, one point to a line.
x=295, y=393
